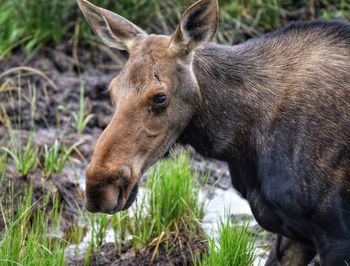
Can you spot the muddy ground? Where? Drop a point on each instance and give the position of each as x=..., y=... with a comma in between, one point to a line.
x=61, y=73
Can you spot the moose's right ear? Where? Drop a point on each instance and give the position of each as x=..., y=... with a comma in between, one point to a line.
x=196, y=28
x=114, y=30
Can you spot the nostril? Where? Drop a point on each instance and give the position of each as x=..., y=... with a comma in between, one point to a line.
x=110, y=208
x=105, y=208
x=111, y=196
x=104, y=199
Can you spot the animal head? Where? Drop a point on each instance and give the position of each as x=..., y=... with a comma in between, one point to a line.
x=155, y=96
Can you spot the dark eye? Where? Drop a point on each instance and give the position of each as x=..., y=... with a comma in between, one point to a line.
x=159, y=99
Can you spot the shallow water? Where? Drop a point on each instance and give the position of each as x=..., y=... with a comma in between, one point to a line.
x=221, y=203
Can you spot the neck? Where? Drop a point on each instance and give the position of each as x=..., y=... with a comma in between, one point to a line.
x=227, y=122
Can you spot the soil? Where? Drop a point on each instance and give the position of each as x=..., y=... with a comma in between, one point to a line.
x=57, y=95
x=177, y=249
x=58, y=186
x=62, y=72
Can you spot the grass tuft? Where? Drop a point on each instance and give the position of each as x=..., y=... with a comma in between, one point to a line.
x=170, y=202
x=55, y=157
x=235, y=246
x=25, y=158
x=81, y=119
x=174, y=191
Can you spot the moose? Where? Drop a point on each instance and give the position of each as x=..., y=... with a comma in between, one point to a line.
x=275, y=108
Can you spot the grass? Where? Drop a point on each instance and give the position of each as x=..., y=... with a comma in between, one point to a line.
x=171, y=201
x=81, y=119
x=99, y=225
x=56, y=157
x=33, y=24
x=25, y=240
x=3, y=161
x=3, y=165
x=24, y=157
x=235, y=246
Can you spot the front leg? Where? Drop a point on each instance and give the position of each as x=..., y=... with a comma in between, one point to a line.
x=286, y=252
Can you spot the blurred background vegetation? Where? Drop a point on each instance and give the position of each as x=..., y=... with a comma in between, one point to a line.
x=32, y=25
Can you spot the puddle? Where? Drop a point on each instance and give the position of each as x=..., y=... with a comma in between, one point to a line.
x=219, y=204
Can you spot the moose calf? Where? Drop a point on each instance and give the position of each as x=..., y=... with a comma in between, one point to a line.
x=275, y=108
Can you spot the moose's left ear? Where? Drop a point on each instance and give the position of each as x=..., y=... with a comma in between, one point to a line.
x=197, y=27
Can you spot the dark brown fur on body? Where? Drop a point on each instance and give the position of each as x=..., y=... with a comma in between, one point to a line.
x=277, y=109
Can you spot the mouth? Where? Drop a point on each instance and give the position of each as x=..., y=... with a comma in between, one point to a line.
x=131, y=198
x=123, y=205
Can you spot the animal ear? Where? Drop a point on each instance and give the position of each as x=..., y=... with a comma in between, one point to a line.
x=197, y=27
x=114, y=30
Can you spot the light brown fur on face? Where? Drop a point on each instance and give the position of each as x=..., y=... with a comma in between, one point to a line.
x=138, y=135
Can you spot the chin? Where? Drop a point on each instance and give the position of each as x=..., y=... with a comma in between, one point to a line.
x=176, y=146
x=167, y=155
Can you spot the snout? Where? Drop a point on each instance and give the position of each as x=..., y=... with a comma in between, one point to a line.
x=109, y=193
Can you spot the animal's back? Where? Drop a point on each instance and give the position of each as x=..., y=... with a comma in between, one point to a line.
x=311, y=52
